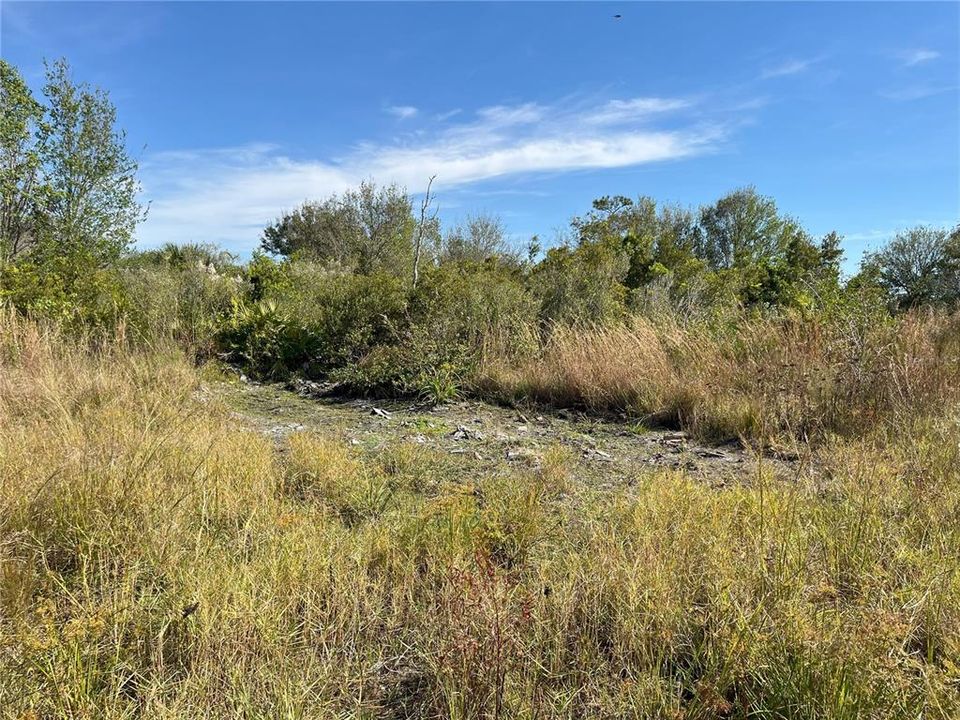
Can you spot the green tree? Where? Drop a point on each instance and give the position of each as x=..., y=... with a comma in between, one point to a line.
x=920, y=266
x=630, y=225
x=831, y=254
x=20, y=186
x=766, y=258
x=742, y=228
x=478, y=238
x=91, y=206
x=582, y=284
x=318, y=230
x=800, y=276
x=367, y=230
x=658, y=245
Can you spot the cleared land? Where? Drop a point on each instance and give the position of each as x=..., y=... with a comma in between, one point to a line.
x=605, y=452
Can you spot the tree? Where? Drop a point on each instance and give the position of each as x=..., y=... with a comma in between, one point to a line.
x=90, y=206
x=422, y=229
x=766, y=258
x=383, y=225
x=920, y=266
x=657, y=244
x=741, y=228
x=20, y=188
x=630, y=227
x=478, y=238
x=740, y=248
x=317, y=230
x=582, y=284
x=803, y=275
x=366, y=230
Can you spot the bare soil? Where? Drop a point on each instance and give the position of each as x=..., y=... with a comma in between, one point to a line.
x=490, y=438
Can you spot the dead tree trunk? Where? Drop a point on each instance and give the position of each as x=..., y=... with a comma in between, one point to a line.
x=418, y=245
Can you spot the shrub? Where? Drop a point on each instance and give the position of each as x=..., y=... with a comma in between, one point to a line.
x=73, y=291
x=582, y=284
x=183, y=302
x=458, y=311
x=313, y=321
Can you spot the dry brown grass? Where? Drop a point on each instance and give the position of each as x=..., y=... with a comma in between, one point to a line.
x=603, y=368
x=753, y=378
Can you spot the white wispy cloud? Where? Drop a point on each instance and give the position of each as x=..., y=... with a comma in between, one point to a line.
x=624, y=111
x=448, y=114
x=227, y=195
x=918, y=56
x=877, y=237
x=916, y=92
x=502, y=115
x=790, y=67
x=868, y=237
x=403, y=112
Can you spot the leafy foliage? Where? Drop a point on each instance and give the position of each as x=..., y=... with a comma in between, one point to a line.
x=73, y=291
x=20, y=161
x=459, y=311
x=69, y=203
x=183, y=293
x=312, y=321
x=920, y=266
x=368, y=230
x=90, y=205
x=478, y=238
x=332, y=294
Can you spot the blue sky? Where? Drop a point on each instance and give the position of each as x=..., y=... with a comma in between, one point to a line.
x=847, y=114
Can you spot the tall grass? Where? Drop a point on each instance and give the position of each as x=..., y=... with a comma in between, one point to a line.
x=746, y=377
x=159, y=561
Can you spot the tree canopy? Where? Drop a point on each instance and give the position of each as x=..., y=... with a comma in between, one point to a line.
x=920, y=266
x=69, y=184
x=368, y=229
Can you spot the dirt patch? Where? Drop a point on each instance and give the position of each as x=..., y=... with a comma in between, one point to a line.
x=493, y=437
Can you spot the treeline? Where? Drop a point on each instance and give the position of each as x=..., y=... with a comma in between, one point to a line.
x=366, y=290
x=740, y=250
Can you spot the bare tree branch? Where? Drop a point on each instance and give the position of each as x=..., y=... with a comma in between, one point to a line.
x=424, y=206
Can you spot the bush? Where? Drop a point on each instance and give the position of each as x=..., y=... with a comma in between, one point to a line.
x=582, y=284
x=74, y=291
x=179, y=293
x=313, y=321
x=186, y=304
x=459, y=311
